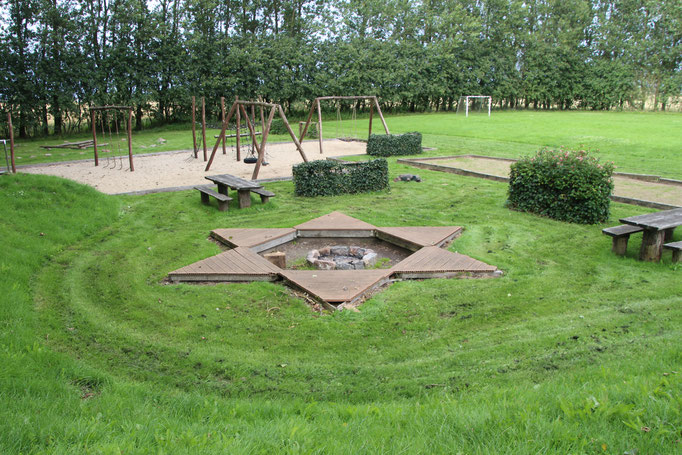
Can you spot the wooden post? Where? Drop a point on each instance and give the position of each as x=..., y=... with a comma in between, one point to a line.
x=307, y=122
x=220, y=136
x=130, y=139
x=652, y=243
x=381, y=116
x=291, y=133
x=371, y=113
x=222, y=116
x=239, y=131
x=94, y=136
x=319, y=123
x=194, y=129
x=203, y=124
x=261, y=152
x=11, y=142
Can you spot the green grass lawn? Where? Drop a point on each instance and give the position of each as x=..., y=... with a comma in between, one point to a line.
x=574, y=350
x=640, y=142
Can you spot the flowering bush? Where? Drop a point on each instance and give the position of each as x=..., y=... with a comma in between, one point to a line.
x=565, y=185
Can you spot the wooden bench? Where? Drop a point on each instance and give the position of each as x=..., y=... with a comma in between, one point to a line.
x=207, y=192
x=620, y=235
x=676, y=247
x=264, y=194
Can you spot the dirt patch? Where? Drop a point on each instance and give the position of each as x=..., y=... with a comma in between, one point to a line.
x=388, y=254
x=664, y=193
x=179, y=169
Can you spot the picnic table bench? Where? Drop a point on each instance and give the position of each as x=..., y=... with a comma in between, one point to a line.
x=621, y=235
x=658, y=228
x=242, y=186
x=207, y=192
x=676, y=247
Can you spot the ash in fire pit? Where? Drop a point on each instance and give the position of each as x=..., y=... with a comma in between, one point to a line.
x=342, y=258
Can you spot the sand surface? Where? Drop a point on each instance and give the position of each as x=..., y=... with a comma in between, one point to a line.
x=623, y=186
x=179, y=169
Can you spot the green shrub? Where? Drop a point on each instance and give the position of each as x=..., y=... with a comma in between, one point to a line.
x=329, y=178
x=394, y=144
x=564, y=185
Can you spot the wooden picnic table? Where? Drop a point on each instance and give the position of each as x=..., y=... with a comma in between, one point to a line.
x=243, y=187
x=658, y=229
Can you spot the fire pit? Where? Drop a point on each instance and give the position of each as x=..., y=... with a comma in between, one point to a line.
x=342, y=258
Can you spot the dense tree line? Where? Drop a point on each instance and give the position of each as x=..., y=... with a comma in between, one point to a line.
x=58, y=56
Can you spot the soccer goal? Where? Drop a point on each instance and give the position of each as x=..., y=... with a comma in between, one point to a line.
x=474, y=104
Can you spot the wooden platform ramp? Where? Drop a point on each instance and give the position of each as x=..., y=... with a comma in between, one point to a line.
x=434, y=262
x=335, y=224
x=238, y=264
x=417, y=237
x=336, y=286
x=256, y=239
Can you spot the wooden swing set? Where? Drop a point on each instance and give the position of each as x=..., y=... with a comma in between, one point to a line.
x=374, y=102
x=104, y=120
x=239, y=111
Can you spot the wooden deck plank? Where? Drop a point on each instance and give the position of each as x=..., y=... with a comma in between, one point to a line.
x=250, y=237
x=434, y=259
x=336, y=286
x=423, y=235
x=334, y=221
x=237, y=262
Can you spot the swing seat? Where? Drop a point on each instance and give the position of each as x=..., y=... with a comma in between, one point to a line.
x=250, y=160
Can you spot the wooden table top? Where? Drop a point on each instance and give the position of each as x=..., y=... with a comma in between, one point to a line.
x=233, y=182
x=659, y=220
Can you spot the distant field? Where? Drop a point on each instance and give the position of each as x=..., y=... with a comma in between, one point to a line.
x=636, y=142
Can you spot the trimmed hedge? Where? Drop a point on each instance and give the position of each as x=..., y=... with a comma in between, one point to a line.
x=394, y=144
x=329, y=178
x=564, y=185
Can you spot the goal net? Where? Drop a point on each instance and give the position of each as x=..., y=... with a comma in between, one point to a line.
x=474, y=104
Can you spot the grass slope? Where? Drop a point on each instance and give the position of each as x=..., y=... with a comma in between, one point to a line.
x=574, y=350
x=640, y=142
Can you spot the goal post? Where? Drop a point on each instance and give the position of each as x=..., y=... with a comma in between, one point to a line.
x=464, y=105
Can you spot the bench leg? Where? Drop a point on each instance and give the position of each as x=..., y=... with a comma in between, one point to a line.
x=244, y=198
x=223, y=206
x=676, y=255
x=652, y=244
x=205, y=199
x=264, y=199
x=620, y=245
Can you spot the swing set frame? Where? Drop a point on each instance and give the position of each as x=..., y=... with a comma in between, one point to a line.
x=238, y=109
x=129, y=129
x=374, y=102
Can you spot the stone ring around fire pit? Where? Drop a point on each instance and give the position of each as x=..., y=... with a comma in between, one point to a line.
x=342, y=258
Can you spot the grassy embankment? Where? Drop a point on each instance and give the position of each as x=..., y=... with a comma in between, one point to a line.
x=573, y=350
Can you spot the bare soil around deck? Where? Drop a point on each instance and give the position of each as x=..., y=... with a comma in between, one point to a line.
x=181, y=169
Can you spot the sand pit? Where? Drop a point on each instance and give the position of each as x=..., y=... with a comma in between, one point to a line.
x=180, y=169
